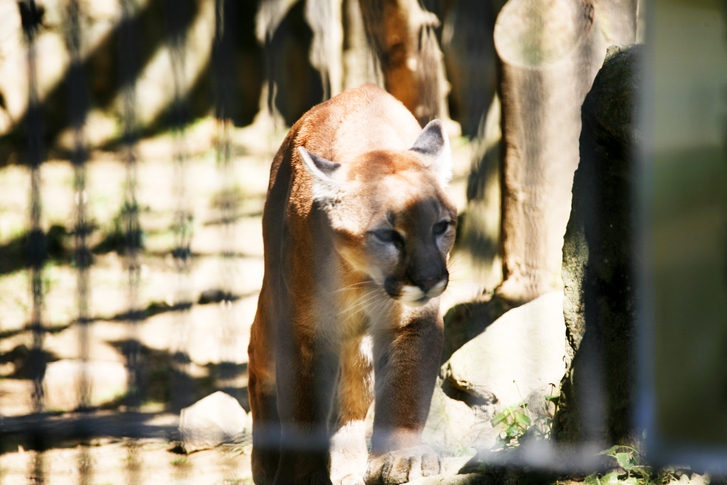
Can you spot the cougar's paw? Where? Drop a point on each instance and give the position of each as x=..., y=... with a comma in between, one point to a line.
x=402, y=466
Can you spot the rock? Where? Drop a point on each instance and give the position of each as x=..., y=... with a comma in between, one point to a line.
x=212, y=421
x=519, y=354
x=454, y=427
x=517, y=358
x=465, y=321
x=598, y=261
x=689, y=479
x=106, y=381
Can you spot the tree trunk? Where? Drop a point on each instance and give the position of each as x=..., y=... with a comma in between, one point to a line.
x=294, y=84
x=550, y=52
x=618, y=20
x=470, y=59
x=401, y=33
x=359, y=63
x=324, y=18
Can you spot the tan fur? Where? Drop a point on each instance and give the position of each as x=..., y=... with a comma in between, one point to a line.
x=357, y=231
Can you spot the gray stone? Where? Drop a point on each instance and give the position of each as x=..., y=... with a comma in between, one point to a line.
x=454, y=427
x=690, y=479
x=212, y=421
x=465, y=321
x=519, y=354
x=518, y=358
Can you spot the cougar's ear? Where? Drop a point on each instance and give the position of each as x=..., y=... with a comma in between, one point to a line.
x=433, y=144
x=326, y=183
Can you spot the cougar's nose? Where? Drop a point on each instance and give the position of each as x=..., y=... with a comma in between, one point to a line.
x=428, y=284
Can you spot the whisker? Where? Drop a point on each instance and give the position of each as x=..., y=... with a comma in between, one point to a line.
x=358, y=284
x=360, y=302
x=384, y=305
x=379, y=297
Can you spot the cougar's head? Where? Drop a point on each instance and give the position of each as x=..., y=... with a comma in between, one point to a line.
x=390, y=216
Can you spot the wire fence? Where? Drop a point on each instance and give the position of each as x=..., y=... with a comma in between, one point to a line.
x=162, y=382
x=129, y=419
x=126, y=417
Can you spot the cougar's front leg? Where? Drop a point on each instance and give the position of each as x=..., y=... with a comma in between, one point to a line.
x=306, y=375
x=354, y=394
x=407, y=362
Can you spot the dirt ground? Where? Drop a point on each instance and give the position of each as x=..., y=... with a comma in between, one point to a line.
x=108, y=462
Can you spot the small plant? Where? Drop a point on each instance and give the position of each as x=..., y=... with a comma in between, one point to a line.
x=632, y=470
x=519, y=423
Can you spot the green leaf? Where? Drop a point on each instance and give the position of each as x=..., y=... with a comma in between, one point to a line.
x=625, y=460
x=611, y=451
x=498, y=419
x=592, y=479
x=512, y=431
x=630, y=449
x=522, y=419
x=610, y=478
x=642, y=470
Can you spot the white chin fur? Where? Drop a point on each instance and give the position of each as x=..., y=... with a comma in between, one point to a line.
x=411, y=294
x=437, y=289
x=414, y=296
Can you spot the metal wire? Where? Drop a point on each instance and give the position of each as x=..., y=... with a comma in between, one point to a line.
x=227, y=371
x=85, y=466
x=36, y=471
x=133, y=424
x=224, y=82
x=77, y=108
x=181, y=395
x=36, y=256
x=128, y=46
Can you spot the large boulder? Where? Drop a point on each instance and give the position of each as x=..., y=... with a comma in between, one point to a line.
x=517, y=355
x=455, y=427
x=518, y=358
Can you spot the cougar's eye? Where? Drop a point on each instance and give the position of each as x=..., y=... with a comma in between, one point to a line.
x=440, y=228
x=386, y=235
